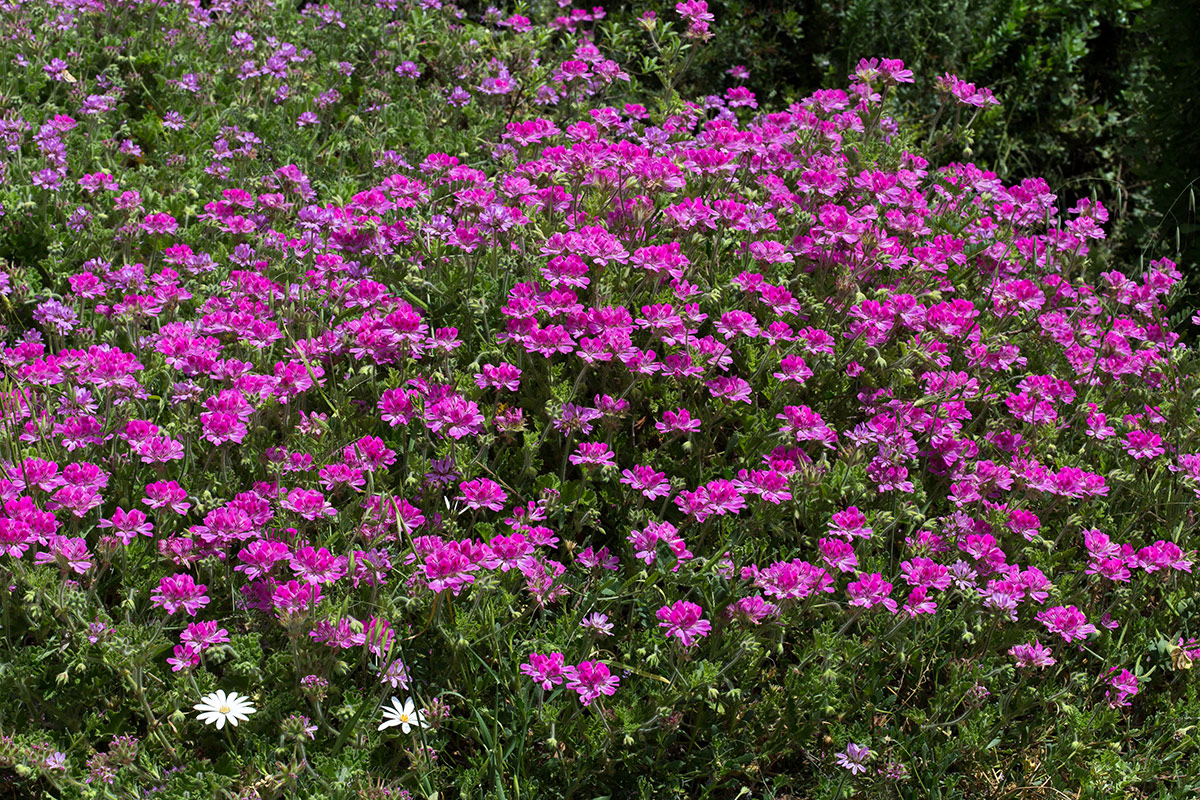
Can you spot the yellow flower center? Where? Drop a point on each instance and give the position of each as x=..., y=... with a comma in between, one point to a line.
x=404, y=717
x=223, y=710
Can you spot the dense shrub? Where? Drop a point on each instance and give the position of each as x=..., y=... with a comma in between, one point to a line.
x=397, y=401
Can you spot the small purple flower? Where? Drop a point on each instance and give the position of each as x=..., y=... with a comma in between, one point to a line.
x=855, y=758
x=458, y=97
x=598, y=624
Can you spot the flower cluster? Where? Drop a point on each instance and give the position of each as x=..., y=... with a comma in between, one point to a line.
x=462, y=363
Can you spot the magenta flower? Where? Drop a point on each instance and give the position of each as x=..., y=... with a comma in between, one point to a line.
x=679, y=421
x=79, y=500
x=318, y=566
x=1123, y=686
x=15, y=537
x=179, y=591
x=1032, y=655
x=507, y=552
x=186, y=656
x=647, y=480
x=294, y=597
x=396, y=407
x=159, y=450
x=1143, y=444
x=1163, y=554
x=597, y=623
x=499, y=376
x=752, y=609
x=645, y=542
x=593, y=454
x=966, y=93
x=67, y=553
x=547, y=671
x=219, y=428
x=128, y=524
x=871, y=590
x=309, y=504
x=591, y=679
x=203, y=635
x=838, y=554
x=1068, y=622
x=455, y=416
x=683, y=620
x=597, y=559
x=482, y=493
x=918, y=603
x=450, y=567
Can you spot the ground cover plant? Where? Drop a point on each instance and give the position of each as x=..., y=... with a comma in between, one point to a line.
x=398, y=403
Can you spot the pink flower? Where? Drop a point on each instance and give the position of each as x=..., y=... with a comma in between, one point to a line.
x=204, y=635
x=318, y=566
x=500, y=376
x=591, y=679
x=507, y=552
x=187, y=656
x=219, y=427
x=918, y=602
x=455, y=416
x=1068, y=622
x=854, y=758
x=647, y=480
x=159, y=450
x=871, y=590
x=482, y=493
x=368, y=453
x=645, y=542
x=790, y=580
x=1143, y=444
x=451, y=566
x=838, y=554
x=925, y=572
x=1124, y=685
x=683, y=620
x=166, y=494
x=128, y=524
x=547, y=671
x=294, y=597
x=593, y=454
x=179, y=591
x=309, y=504
x=752, y=609
x=850, y=523
x=597, y=559
x=966, y=93
x=732, y=389
x=679, y=421
x=15, y=537
x=396, y=407
x=1032, y=655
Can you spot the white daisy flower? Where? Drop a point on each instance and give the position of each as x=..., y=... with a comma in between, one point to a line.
x=218, y=708
x=406, y=716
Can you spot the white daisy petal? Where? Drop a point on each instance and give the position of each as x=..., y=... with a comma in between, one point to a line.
x=218, y=708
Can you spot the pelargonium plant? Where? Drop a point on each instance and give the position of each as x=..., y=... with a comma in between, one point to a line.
x=648, y=447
